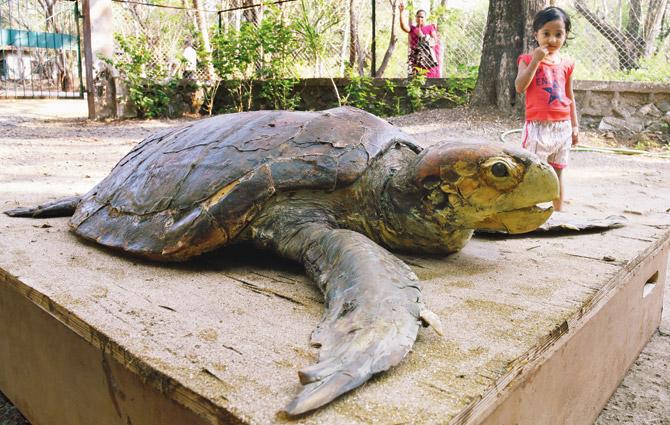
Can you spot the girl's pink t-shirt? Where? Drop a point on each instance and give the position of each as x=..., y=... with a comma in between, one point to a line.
x=546, y=98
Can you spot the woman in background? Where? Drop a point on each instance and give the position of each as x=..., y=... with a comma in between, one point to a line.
x=424, y=45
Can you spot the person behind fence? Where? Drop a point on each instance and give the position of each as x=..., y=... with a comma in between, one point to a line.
x=545, y=76
x=190, y=60
x=424, y=45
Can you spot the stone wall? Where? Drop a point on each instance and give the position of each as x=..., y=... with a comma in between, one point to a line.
x=629, y=106
x=623, y=106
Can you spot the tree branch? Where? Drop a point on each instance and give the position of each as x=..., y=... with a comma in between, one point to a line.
x=629, y=46
x=393, y=39
x=613, y=35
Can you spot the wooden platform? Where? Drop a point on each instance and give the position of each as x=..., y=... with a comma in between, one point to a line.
x=538, y=329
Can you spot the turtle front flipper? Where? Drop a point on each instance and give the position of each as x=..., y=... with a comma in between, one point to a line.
x=562, y=222
x=373, y=311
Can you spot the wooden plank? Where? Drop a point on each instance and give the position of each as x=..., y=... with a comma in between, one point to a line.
x=225, y=335
x=56, y=377
x=572, y=378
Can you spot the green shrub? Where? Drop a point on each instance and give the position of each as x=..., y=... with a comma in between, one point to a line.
x=256, y=52
x=149, y=87
x=387, y=100
x=362, y=93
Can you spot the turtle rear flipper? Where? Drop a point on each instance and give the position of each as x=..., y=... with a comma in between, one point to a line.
x=373, y=313
x=63, y=207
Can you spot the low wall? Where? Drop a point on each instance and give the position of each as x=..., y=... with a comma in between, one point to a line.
x=595, y=99
x=615, y=105
x=632, y=106
x=319, y=93
x=603, y=98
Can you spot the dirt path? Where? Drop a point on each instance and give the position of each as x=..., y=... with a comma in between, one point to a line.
x=644, y=395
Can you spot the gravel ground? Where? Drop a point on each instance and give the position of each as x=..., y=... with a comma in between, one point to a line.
x=642, y=398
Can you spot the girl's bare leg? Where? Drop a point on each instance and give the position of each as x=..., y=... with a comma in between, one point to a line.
x=558, y=202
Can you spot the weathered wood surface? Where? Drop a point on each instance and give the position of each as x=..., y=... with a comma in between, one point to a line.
x=229, y=331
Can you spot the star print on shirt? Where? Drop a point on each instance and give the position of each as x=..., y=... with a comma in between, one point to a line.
x=554, y=92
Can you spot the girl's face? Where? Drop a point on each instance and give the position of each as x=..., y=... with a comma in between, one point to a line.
x=420, y=18
x=552, y=35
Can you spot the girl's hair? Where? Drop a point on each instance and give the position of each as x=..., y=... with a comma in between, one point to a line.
x=549, y=14
x=419, y=11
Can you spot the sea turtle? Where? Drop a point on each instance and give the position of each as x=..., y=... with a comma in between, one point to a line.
x=333, y=190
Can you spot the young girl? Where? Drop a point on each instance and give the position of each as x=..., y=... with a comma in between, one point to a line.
x=546, y=77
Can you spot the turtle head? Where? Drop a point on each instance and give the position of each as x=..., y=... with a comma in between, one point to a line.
x=482, y=187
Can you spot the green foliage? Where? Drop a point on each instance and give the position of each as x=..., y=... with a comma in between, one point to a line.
x=258, y=52
x=461, y=84
x=648, y=144
x=209, y=93
x=654, y=69
x=314, y=24
x=415, y=91
x=280, y=93
x=385, y=98
x=149, y=87
x=421, y=93
x=362, y=93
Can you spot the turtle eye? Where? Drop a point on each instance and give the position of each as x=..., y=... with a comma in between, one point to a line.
x=499, y=169
x=431, y=182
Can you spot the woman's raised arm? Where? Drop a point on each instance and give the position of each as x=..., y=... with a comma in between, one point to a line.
x=403, y=25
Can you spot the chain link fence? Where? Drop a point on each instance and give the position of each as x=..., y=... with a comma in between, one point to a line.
x=620, y=40
x=610, y=40
x=319, y=26
x=165, y=29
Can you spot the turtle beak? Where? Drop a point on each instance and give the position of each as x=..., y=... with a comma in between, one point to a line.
x=518, y=211
x=517, y=221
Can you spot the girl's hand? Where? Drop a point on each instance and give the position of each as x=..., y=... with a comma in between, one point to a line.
x=575, y=136
x=401, y=7
x=540, y=53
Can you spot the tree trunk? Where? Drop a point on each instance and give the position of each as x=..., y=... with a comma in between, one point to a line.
x=353, y=32
x=652, y=25
x=345, y=40
x=628, y=45
x=508, y=33
x=204, y=37
x=634, y=18
x=356, y=58
x=393, y=39
x=637, y=40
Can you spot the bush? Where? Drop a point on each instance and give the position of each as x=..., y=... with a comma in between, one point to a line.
x=149, y=88
x=258, y=52
x=388, y=98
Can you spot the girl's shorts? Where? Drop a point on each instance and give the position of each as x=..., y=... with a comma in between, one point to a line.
x=549, y=140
